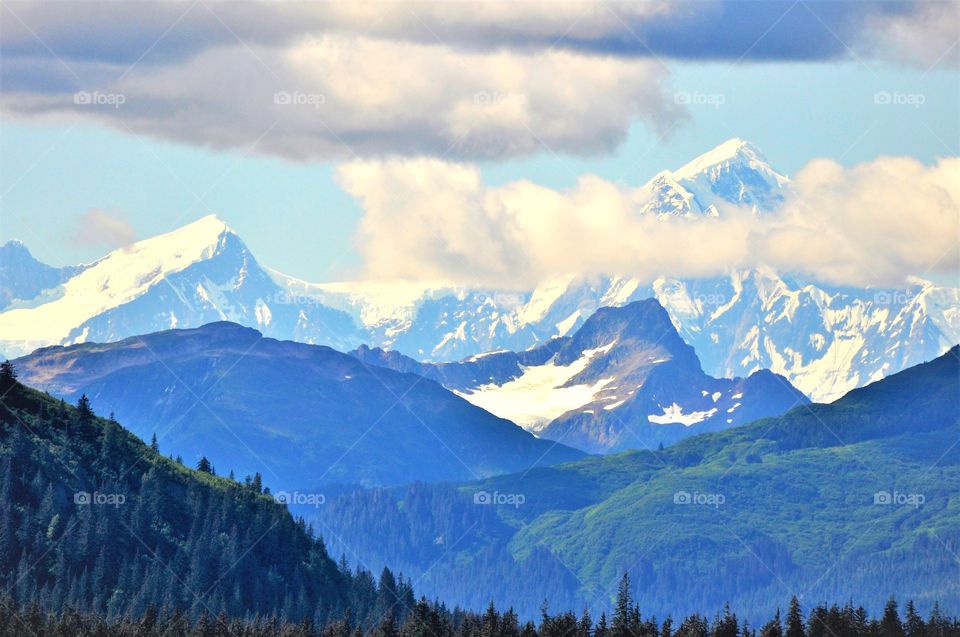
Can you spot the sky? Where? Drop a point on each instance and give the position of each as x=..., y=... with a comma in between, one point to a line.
x=124, y=122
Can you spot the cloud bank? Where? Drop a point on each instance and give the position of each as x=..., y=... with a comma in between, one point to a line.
x=486, y=79
x=873, y=224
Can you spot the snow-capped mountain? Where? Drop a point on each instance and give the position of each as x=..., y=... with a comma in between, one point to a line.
x=197, y=274
x=625, y=379
x=825, y=340
x=734, y=172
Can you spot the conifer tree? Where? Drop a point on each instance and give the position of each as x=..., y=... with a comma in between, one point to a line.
x=621, y=617
x=890, y=625
x=8, y=374
x=601, y=630
x=914, y=625
x=204, y=466
x=84, y=411
x=795, y=619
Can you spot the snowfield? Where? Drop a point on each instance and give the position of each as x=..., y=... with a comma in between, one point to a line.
x=540, y=394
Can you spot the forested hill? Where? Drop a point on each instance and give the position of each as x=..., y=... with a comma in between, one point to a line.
x=91, y=518
x=855, y=499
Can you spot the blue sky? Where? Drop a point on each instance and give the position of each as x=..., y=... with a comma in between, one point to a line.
x=163, y=165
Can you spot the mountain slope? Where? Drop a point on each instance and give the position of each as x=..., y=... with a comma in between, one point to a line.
x=624, y=380
x=301, y=415
x=855, y=498
x=93, y=519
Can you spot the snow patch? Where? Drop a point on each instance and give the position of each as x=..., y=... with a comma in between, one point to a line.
x=567, y=324
x=540, y=394
x=674, y=415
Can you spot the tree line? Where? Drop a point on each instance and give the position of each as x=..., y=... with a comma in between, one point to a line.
x=433, y=619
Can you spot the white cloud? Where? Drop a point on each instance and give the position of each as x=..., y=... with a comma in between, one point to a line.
x=927, y=36
x=875, y=223
x=341, y=96
x=401, y=78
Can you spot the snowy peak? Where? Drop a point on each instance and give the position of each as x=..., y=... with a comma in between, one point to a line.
x=206, y=230
x=116, y=279
x=732, y=151
x=169, y=252
x=735, y=172
x=126, y=272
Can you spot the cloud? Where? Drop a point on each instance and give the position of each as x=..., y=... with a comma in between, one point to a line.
x=342, y=97
x=875, y=223
x=489, y=80
x=927, y=37
x=161, y=31
x=102, y=228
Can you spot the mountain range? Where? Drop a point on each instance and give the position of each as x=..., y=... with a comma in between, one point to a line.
x=854, y=498
x=625, y=379
x=824, y=339
x=303, y=416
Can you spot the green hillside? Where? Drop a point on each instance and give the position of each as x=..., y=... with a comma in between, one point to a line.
x=778, y=507
x=91, y=518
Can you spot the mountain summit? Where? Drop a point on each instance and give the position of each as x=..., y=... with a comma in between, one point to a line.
x=197, y=274
x=734, y=151
x=735, y=172
x=624, y=380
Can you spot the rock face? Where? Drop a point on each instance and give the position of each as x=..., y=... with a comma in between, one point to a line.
x=825, y=340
